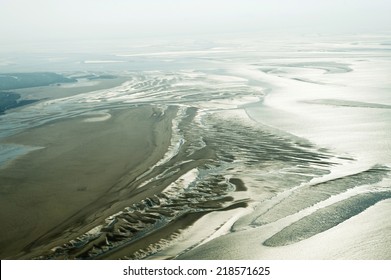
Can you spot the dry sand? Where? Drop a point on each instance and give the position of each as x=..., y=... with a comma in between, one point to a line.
x=75, y=177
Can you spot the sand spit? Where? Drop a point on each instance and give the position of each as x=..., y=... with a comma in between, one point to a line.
x=51, y=194
x=97, y=117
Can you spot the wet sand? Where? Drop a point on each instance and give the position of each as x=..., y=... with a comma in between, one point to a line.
x=261, y=161
x=361, y=237
x=74, y=181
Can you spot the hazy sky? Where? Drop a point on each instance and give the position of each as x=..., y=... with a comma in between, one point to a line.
x=56, y=20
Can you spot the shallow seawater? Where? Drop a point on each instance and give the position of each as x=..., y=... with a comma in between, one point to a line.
x=9, y=152
x=290, y=143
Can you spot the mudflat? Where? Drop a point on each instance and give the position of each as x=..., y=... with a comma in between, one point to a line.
x=53, y=193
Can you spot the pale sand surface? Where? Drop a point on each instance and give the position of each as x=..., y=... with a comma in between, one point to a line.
x=365, y=236
x=76, y=178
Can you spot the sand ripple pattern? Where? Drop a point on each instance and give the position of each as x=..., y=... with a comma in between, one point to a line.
x=325, y=218
x=208, y=178
x=148, y=216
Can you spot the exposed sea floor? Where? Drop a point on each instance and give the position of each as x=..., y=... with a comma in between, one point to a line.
x=276, y=148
